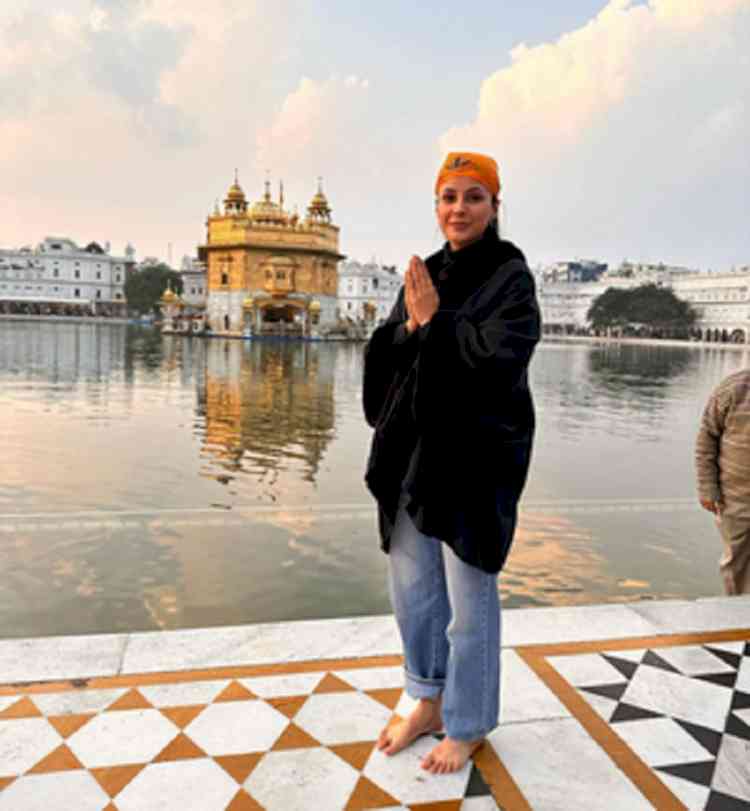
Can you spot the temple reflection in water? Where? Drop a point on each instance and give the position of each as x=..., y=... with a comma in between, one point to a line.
x=268, y=406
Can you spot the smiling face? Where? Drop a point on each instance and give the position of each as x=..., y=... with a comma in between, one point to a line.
x=464, y=210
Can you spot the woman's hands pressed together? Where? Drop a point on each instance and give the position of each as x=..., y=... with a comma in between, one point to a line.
x=420, y=295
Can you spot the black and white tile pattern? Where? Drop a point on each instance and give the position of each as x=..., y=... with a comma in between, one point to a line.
x=684, y=710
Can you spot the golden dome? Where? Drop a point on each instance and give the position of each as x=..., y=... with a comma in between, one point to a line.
x=169, y=296
x=319, y=208
x=319, y=201
x=314, y=306
x=266, y=211
x=248, y=303
x=235, y=193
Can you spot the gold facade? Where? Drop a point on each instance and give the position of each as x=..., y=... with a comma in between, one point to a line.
x=263, y=401
x=271, y=261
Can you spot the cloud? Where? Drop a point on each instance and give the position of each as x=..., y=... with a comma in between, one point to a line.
x=338, y=128
x=627, y=136
x=314, y=128
x=122, y=119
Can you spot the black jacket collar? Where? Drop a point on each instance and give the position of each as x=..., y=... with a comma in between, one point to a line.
x=475, y=263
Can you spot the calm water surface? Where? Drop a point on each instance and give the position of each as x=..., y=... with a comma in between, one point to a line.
x=167, y=482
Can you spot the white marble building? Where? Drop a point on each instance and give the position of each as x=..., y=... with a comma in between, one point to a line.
x=369, y=282
x=722, y=300
x=58, y=273
x=565, y=305
x=194, y=282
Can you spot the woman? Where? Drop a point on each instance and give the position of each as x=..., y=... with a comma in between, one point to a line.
x=445, y=387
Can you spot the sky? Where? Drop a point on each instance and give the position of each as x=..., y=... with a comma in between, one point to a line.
x=620, y=128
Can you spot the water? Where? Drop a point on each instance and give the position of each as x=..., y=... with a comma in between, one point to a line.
x=167, y=482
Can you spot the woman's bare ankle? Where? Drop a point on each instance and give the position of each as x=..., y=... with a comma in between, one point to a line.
x=429, y=710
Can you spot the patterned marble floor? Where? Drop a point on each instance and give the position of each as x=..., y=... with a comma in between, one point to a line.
x=262, y=738
x=596, y=714
x=673, y=713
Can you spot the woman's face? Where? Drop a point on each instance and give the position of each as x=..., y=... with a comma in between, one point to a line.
x=464, y=210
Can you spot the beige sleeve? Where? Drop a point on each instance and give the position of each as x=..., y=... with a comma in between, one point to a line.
x=707, y=447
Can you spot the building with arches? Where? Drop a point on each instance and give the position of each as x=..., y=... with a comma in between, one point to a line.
x=59, y=277
x=268, y=271
x=367, y=285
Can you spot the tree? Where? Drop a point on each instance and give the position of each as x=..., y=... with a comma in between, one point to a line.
x=655, y=310
x=609, y=309
x=146, y=286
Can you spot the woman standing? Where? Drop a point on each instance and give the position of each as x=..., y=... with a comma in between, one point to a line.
x=445, y=387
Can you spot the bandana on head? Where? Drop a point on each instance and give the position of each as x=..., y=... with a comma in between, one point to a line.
x=480, y=167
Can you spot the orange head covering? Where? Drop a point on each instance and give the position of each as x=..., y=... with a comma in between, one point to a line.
x=482, y=168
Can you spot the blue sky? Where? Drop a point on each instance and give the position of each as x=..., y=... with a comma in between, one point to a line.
x=620, y=127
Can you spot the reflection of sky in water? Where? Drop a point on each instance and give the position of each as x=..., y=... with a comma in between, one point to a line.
x=200, y=433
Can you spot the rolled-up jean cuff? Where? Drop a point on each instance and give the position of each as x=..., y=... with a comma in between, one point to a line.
x=417, y=687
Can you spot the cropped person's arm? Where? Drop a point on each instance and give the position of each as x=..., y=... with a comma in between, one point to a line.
x=707, y=446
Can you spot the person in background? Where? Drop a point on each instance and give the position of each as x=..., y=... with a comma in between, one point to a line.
x=722, y=460
x=445, y=388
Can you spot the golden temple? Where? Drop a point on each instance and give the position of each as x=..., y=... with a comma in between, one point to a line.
x=270, y=271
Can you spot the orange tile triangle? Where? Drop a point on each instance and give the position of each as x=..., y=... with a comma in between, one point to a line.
x=111, y=807
x=182, y=716
x=294, y=738
x=132, y=700
x=113, y=779
x=355, y=754
x=23, y=708
x=445, y=805
x=181, y=748
x=289, y=705
x=66, y=725
x=234, y=692
x=61, y=760
x=6, y=781
x=244, y=802
x=333, y=684
x=388, y=697
x=239, y=766
x=367, y=795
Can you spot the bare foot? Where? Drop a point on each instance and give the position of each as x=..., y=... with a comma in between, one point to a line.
x=425, y=718
x=450, y=755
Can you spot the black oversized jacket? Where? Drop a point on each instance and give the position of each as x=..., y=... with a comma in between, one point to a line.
x=450, y=403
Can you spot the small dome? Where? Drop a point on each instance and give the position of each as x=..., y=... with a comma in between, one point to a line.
x=169, y=296
x=248, y=303
x=266, y=211
x=235, y=192
x=319, y=208
x=319, y=201
x=314, y=306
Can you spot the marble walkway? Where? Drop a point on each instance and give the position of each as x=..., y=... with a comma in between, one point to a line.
x=616, y=707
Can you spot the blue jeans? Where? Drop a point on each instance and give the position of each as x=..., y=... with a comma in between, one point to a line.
x=448, y=614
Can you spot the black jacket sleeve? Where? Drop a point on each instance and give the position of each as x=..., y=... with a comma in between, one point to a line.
x=390, y=351
x=481, y=349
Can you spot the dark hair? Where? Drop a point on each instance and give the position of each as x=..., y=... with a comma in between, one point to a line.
x=495, y=221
